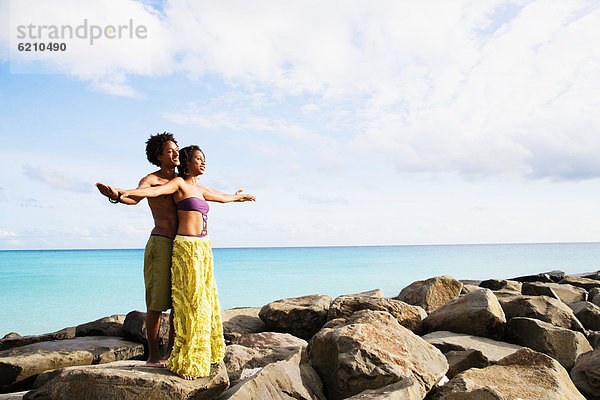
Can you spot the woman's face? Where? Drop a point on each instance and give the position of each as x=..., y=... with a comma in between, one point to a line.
x=196, y=163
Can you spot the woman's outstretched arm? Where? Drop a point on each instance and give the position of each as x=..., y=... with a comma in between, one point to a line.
x=220, y=197
x=168, y=188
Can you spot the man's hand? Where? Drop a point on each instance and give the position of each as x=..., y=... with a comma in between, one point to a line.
x=107, y=191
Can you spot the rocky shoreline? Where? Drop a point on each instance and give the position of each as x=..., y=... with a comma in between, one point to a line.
x=531, y=337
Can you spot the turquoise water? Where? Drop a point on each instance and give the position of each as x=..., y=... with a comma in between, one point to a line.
x=46, y=290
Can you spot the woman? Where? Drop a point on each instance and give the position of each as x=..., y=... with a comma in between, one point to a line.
x=198, y=329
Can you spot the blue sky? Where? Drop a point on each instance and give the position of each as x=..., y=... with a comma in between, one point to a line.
x=353, y=123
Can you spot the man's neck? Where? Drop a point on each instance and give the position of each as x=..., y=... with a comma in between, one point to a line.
x=167, y=173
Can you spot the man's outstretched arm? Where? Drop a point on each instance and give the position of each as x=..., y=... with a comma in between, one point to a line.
x=113, y=194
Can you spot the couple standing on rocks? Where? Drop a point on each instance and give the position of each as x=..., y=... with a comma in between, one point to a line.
x=178, y=261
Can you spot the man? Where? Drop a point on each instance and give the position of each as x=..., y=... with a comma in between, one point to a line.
x=162, y=151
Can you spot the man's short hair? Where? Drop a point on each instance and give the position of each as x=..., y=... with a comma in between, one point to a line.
x=154, y=146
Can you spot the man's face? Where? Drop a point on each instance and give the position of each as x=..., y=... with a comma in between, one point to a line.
x=169, y=157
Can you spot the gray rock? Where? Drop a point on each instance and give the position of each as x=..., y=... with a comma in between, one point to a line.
x=594, y=338
x=586, y=283
x=552, y=276
x=13, y=396
x=20, y=365
x=588, y=314
x=134, y=329
x=407, y=315
x=370, y=293
x=370, y=350
x=468, y=289
x=406, y=389
x=594, y=296
x=566, y=293
x=107, y=326
x=586, y=374
x=492, y=350
x=270, y=340
x=524, y=374
x=460, y=361
x=499, y=284
x=127, y=380
x=543, y=308
x=17, y=341
x=564, y=345
x=238, y=321
x=282, y=380
x=240, y=358
x=476, y=313
x=300, y=316
x=432, y=293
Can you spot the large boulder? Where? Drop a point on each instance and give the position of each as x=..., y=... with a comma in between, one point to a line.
x=238, y=321
x=300, y=316
x=586, y=283
x=370, y=350
x=566, y=293
x=552, y=276
x=543, y=308
x=270, y=340
x=492, y=350
x=525, y=374
x=240, y=358
x=19, y=366
x=107, y=326
x=432, y=293
x=476, y=313
x=127, y=380
x=15, y=340
x=290, y=378
x=406, y=389
x=588, y=314
x=564, y=345
x=501, y=284
x=407, y=315
x=594, y=296
x=586, y=374
x=134, y=328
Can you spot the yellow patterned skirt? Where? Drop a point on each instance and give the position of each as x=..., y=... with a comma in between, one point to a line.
x=198, y=328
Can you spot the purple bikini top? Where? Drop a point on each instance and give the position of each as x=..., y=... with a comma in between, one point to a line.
x=195, y=204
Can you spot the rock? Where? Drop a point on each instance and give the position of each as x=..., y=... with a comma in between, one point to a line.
x=594, y=296
x=270, y=340
x=134, y=328
x=471, y=282
x=543, y=308
x=281, y=380
x=20, y=365
x=17, y=341
x=11, y=335
x=432, y=293
x=370, y=293
x=300, y=316
x=107, y=326
x=566, y=293
x=588, y=314
x=552, y=276
x=492, y=350
x=564, y=345
x=13, y=396
x=370, y=350
x=240, y=358
x=499, y=284
x=237, y=321
x=524, y=374
x=460, y=361
x=594, y=338
x=586, y=283
x=127, y=380
x=468, y=289
x=407, y=315
x=406, y=389
x=586, y=374
x=476, y=313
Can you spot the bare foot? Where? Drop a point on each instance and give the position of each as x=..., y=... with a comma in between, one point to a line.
x=157, y=364
x=187, y=378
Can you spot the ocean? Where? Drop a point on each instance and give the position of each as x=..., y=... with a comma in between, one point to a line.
x=46, y=290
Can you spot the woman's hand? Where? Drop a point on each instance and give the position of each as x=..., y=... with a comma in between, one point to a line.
x=244, y=197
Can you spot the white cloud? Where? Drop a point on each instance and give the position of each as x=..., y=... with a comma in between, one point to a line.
x=7, y=234
x=475, y=87
x=55, y=179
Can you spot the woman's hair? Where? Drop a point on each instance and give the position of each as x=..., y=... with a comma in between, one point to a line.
x=185, y=155
x=154, y=146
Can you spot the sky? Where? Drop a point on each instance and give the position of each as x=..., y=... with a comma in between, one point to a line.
x=352, y=122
